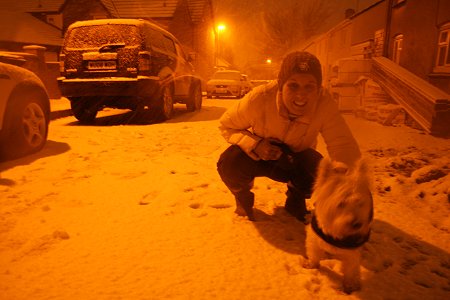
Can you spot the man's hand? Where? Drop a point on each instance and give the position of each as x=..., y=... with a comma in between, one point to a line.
x=266, y=151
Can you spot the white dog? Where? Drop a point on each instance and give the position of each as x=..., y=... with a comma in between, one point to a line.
x=341, y=219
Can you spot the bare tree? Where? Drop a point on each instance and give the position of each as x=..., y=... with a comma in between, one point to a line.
x=270, y=28
x=286, y=24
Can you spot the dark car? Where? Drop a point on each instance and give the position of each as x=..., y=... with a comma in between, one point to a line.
x=24, y=110
x=125, y=63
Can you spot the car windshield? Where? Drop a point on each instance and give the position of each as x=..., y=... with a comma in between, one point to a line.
x=99, y=35
x=227, y=75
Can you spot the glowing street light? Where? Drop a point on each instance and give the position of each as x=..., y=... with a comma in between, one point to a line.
x=220, y=28
x=269, y=61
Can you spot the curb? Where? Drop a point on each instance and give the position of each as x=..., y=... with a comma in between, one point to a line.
x=60, y=114
x=60, y=108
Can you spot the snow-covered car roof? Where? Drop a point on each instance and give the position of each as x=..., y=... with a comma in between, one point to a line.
x=133, y=22
x=10, y=58
x=107, y=21
x=228, y=71
x=227, y=75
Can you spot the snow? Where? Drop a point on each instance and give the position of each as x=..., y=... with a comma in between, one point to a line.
x=422, y=86
x=123, y=210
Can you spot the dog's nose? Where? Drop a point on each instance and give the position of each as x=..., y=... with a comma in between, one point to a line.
x=356, y=224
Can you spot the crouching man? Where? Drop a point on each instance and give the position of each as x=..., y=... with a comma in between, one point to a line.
x=273, y=132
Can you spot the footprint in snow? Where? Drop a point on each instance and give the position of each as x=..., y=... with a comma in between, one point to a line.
x=147, y=198
x=195, y=205
x=220, y=205
x=191, y=189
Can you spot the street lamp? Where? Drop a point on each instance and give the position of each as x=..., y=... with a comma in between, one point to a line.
x=220, y=28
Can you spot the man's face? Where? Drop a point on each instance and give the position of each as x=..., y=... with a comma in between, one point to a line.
x=299, y=93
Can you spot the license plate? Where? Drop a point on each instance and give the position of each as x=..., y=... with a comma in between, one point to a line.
x=221, y=90
x=102, y=65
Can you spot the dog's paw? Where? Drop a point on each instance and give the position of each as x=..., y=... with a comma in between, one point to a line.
x=351, y=286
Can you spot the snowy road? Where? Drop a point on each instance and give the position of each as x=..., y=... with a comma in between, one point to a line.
x=125, y=210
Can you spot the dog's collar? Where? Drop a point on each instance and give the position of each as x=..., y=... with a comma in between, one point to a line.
x=345, y=243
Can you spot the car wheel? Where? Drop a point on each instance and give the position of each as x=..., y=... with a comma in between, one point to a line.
x=165, y=105
x=26, y=124
x=195, y=99
x=83, y=110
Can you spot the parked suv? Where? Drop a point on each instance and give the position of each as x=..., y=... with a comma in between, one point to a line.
x=228, y=83
x=125, y=63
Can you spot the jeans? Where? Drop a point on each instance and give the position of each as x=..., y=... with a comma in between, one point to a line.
x=237, y=170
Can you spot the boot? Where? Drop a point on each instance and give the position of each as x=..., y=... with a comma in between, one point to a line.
x=296, y=204
x=244, y=205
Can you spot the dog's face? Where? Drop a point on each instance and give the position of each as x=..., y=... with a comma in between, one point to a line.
x=343, y=201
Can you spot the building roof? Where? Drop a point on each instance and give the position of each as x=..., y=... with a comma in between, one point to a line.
x=141, y=8
x=20, y=27
x=117, y=8
x=40, y=5
x=197, y=10
x=153, y=8
x=109, y=5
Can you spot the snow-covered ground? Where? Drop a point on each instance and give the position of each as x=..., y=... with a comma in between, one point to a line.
x=123, y=210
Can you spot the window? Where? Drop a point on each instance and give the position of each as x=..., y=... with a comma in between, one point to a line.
x=99, y=35
x=180, y=51
x=154, y=38
x=170, y=46
x=443, y=48
x=398, y=46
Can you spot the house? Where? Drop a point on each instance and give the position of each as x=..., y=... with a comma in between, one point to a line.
x=48, y=11
x=404, y=47
x=419, y=39
x=36, y=41
x=19, y=29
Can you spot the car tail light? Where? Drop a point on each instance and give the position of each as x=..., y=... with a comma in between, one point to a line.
x=144, y=61
x=62, y=58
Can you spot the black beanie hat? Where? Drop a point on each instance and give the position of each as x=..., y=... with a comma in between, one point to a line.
x=299, y=62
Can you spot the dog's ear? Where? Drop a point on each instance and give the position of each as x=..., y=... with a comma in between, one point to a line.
x=362, y=172
x=323, y=171
x=362, y=166
x=328, y=169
